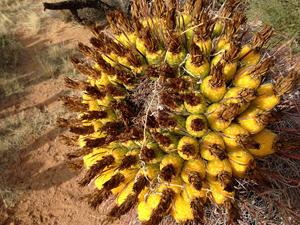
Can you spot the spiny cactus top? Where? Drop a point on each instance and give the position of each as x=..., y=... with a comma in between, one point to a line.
x=174, y=109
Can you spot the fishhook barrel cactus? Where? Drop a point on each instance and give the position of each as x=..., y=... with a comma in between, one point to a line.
x=175, y=108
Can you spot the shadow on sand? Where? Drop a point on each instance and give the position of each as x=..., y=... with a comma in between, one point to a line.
x=25, y=175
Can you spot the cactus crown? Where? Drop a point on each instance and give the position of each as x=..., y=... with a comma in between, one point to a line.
x=151, y=130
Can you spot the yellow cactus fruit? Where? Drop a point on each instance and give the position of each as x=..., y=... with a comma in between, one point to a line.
x=127, y=40
x=150, y=171
x=190, y=192
x=245, y=50
x=184, y=20
x=153, y=200
x=196, y=64
x=241, y=161
x=94, y=105
x=103, y=81
x=227, y=29
x=135, y=191
x=196, y=199
x=173, y=111
x=155, y=57
x=151, y=153
x=250, y=53
x=86, y=98
x=130, y=144
x=228, y=58
x=254, y=120
x=133, y=63
x=148, y=46
x=213, y=87
x=188, y=148
x=176, y=53
x=241, y=97
x=111, y=58
x=118, y=153
x=195, y=103
x=266, y=140
x=166, y=141
x=175, y=185
x=182, y=211
x=269, y=95
x=144, y=211
x=250, y=77
x=249, y=57
x=162, y=202
x=204, y=45
x=193, y=172
x=266, y=98
x=81, y=141
x=106, y=101
x=219, y=170
x=235, y=136
x=101, y=180
x=218, y=28
x=223, y=44
x=97, y=155
x=216, y=59
x=140, y=46
x=130, y=195
x=196, y=125
x=170, y=166
x=212, y=147
x=219, y=194
x=109, y=117
x=220, y=116
x=198, y=71
x=125, y=193
x=174, y=59
x=98, y=125
x=129, y=175
x=229, y=71
x=244, y=79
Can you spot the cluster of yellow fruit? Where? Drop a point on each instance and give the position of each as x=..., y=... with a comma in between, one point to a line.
x=209, y=122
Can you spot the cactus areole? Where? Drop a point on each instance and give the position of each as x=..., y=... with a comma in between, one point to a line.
x=174, y=109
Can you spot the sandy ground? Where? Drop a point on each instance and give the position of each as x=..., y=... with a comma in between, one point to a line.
x=48, y=192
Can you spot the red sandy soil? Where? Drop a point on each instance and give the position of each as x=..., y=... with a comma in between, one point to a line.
x=48, y=190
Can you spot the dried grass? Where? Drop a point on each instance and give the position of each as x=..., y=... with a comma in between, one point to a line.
x=10, y=58
x=18, y=130
x=11, y=11
x=32, y=23
x=55, y=61
x=10, y=49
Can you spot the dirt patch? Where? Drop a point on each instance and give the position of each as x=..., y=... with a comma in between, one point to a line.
x=46, y=191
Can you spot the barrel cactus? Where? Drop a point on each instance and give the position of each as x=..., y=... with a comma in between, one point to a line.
x=175, y=110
